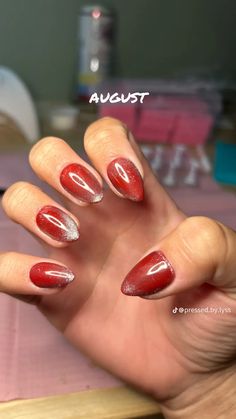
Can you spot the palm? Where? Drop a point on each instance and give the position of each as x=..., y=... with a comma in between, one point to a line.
x=139, y=340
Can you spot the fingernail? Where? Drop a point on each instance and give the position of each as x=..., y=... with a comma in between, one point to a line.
x=50, y=275
x=57, y=224
x=81, y=183
x=150, y=275
x=126, y=178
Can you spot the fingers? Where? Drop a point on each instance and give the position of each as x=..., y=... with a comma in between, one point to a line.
x=56, y=163
x=37, y=212
x=107, y=145
x=24, y=274
x=115, y=157
x=198, y=251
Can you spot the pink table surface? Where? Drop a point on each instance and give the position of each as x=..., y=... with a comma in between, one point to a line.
x=35, y=359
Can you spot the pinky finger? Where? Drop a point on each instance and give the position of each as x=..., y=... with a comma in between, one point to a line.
x=29, y=275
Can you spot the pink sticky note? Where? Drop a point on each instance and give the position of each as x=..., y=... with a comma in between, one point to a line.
x=192, y=129
x=155, y=125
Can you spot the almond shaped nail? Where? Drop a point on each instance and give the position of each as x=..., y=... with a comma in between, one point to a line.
x=50, y=275
x=150, y=275
x=57, y=224
x=81, y=183
x=126, y=178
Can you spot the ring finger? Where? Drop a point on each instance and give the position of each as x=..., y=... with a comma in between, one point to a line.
x=27, y=205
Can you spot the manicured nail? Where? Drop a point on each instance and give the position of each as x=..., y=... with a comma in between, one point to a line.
x=57, y=224
x=81, y=183
x=126, y=178
x=150, y=275
x=50, y=275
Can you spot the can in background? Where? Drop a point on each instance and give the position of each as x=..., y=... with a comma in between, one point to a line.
x=95, y=40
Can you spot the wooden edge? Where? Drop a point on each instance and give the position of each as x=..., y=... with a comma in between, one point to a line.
x=116, y=403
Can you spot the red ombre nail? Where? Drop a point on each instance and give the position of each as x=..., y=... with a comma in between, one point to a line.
x=126, y=178
x=150, y=275
x=57, y=224
x=50, y=275
x=81, y=183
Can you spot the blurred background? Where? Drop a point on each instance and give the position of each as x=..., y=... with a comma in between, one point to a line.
x=55, y=53
x=155, y=38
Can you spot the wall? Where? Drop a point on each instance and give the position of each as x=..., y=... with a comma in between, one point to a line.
x=155, y=38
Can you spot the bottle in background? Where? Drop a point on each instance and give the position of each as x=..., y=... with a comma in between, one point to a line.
x=95, y=43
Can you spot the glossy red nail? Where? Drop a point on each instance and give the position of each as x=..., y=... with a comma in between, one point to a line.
x=81, y=183
x=50, y=275
x=126, y=178
x=150, y=275
x=57, y=224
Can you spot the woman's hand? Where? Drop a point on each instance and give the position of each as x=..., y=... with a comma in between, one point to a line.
x=183, y=359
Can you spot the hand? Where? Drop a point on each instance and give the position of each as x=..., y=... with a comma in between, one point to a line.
x=182, y=359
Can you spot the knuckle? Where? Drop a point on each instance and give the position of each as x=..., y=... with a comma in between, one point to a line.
x=14, y=196
x=208, y=229
x=7, y=258
x=201, y=236
x=102, y=133
x=42, y=150
x=99, y=140
x=105, y=122
x=108, y=121
x=6, y=267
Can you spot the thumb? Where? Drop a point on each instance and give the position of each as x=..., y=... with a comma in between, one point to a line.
x=199, y=250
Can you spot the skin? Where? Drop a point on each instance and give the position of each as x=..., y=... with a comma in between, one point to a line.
x=185, y=361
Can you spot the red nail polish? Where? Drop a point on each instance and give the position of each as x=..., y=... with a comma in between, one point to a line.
x=81, y=183
x=50, y=275
x=150, y=275
x=126, y=178
x=57, y=224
